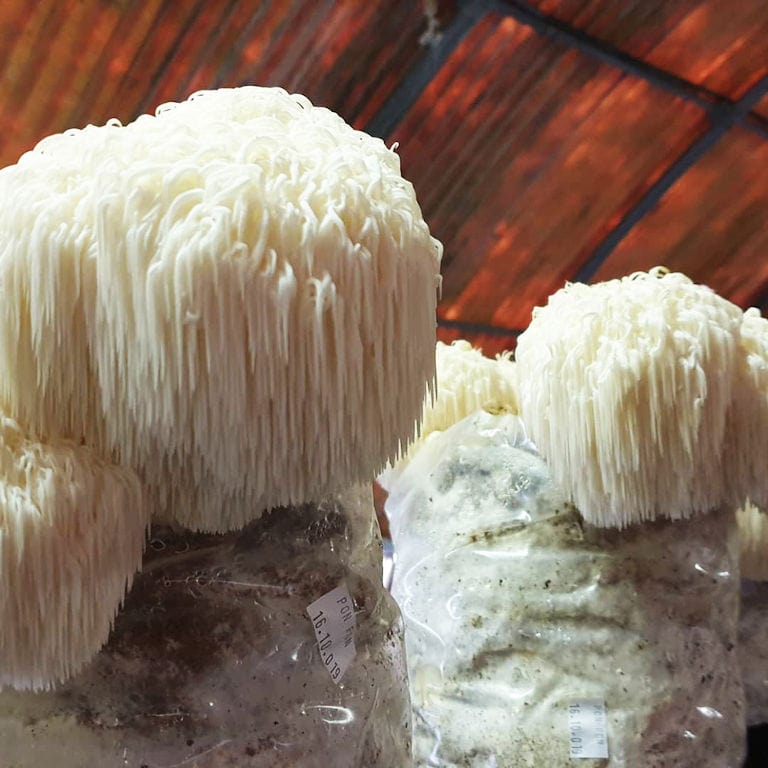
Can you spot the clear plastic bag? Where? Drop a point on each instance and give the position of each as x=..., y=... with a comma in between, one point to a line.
x=214, y=660
x=753, y=649
x=523, y=624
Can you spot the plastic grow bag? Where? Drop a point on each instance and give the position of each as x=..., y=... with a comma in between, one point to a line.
x=753, y=649
x=222, y=656
x=534, y=639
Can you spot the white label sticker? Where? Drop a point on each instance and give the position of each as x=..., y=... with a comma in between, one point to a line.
x=587, y=728
x=333, y=619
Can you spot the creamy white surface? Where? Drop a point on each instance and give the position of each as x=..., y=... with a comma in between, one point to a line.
x=72, y=531
x=625, y=386
x=753, y=540
x=236, y=297
x=466, y=381
x=746, y=452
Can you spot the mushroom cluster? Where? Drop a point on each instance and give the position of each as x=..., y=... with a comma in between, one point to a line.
x=219, y=309
x=588, y=550
x=467, y=381
x=224, y=296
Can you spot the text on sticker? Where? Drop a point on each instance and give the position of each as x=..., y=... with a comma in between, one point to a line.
x=334, y=623
x=587, y=729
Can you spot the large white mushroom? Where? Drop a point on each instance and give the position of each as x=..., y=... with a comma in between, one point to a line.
x=72, y=531
x=626, y=387
x=235, y=296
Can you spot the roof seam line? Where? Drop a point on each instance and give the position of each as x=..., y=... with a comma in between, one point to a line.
x=144, y=103
x=470, y=327
x=756, y=123
x=550, y=26
x=423, y=71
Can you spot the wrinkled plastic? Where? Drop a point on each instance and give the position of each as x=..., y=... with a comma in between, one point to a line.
x=753, y=649
x=515, y=609
x=214, y=662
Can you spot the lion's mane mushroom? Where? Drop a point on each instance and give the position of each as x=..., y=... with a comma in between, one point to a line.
x=235, y=296
x=72, y=531
x=467, y=381
x=746, y=454
x=748, y=426
x=625, y=386
x=753, y=540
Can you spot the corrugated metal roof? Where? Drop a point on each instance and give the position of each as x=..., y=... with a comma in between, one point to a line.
x=547, y=140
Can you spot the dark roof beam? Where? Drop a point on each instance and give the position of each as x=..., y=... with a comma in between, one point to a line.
x=722, y=119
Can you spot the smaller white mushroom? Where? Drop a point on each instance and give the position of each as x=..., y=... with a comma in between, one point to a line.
x=72, y=532
x=467, y=381
x=625, y=386
x=746, y=454
x=753, y=539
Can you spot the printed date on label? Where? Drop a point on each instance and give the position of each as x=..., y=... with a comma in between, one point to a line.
x=334, y=623
x=587, y=729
